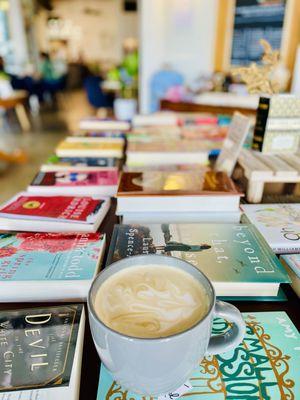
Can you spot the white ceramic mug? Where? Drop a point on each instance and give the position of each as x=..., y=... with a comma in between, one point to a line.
x=157, y=366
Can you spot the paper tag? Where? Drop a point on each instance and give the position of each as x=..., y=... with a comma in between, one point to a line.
x=186, y=387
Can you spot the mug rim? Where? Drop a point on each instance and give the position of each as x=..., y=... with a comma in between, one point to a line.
x=91, y=307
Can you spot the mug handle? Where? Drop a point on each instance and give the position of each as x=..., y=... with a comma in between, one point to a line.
x=233, y=337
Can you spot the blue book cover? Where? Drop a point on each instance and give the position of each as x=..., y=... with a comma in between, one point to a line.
x=49, y=256
x=266, y=365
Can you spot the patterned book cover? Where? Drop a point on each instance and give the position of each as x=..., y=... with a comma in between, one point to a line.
x=71, y=208
x=277, y=107
x=284, y=105
x=278, y=223
x=49, y=256
x=37, y=347
x=76, y=178
x=266, y=365
x=281, y=141
x=226, y=253
x=200, y=182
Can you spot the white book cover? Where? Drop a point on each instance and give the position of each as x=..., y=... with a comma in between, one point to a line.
x=278, y=223
x=155, y=119
x=98, y=124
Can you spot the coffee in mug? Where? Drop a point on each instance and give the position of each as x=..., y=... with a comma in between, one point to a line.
x=151, y=319
x=151, y=301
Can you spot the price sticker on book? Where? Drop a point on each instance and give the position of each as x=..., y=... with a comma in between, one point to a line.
x=186, y=387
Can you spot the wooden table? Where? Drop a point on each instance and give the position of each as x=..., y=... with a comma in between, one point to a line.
x=184, y=106
x=90, y=361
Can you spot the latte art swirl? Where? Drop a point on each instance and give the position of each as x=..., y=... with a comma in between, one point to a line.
x=151, y=301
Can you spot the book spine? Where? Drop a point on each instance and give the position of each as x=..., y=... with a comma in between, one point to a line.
x=261, y=122
x=286, y=250
x=112, y=246
x=268, y=252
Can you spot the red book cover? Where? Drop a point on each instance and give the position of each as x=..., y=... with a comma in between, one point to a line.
x=80, y=178
x=60, y=207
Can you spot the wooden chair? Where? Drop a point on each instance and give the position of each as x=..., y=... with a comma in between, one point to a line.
x=16, y=102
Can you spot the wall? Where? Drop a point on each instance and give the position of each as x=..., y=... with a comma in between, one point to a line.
x=95, y=29
x=180, y=33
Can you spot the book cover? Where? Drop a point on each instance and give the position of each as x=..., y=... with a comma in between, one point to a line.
x=104, y=134
x=49, y=256
x=278, y=223
x=270, y=110
x=66, y=208
x=37, y=347
x=225, y=253
x=281, y=141
x=82, y=161
x=103, y=124
x=170, y=146
x=264, y=366
x=205, y=132
x=198, y=182
x=76, y=178
x=93, y=146
x=284, y=105
x=237, y=133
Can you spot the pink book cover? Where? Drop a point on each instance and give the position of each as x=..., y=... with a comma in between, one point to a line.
x=78, y=178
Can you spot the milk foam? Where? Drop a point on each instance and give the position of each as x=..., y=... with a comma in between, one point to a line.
x=151, y=301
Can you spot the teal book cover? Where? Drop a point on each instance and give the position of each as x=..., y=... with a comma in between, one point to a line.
x=49, y=256
x=265, y=366
x=226, y=253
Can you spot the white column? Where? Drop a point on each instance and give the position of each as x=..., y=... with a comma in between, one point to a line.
x=17, y=33
x=180, y=33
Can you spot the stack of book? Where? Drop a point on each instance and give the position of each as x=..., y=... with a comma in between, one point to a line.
x=205, y=127
x=277, y=128
x=51, y=249
x=168, y=139
x=177, y=196
x=82, y=165
x=167, y=152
